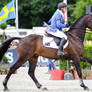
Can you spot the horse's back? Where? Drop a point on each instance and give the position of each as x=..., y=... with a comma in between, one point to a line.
x=29, y=42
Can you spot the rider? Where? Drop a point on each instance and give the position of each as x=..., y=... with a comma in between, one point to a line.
x=57, y=23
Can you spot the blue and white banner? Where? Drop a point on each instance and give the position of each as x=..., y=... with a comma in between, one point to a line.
x=12, y=55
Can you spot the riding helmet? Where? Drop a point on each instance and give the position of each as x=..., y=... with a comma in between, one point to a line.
x=62, y=5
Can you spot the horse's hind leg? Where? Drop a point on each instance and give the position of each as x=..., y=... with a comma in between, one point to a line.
x=12, y=70
x=85, y=59
x=77, y=65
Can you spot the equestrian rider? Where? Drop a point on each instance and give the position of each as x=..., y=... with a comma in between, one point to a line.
x=57, y=23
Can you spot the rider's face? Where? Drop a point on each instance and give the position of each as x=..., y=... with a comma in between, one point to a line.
x=63, y=9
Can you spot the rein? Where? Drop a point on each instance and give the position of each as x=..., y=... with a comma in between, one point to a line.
x=78, y=28
x=82, y=29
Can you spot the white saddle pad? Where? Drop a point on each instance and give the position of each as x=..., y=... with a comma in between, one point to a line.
x=49, y=42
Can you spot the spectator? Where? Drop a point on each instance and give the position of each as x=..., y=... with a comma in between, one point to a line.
x=51, y=65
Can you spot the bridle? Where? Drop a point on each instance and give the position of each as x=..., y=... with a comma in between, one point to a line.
x=83, y=28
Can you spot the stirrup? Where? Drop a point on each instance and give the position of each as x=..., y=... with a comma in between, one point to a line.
x=60, y=52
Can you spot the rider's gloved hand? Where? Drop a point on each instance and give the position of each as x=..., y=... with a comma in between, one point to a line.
x=68, y=24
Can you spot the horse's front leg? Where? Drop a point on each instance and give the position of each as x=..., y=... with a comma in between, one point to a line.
x=32, y=66
x=77, y=66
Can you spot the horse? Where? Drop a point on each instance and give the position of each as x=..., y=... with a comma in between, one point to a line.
x=31, y=47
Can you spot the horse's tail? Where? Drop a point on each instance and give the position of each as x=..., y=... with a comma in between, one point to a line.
x=85, y=59
x=4, y=47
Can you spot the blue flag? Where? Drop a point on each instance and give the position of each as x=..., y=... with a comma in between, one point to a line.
x=8, y=12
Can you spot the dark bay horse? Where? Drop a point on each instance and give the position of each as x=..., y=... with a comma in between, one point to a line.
x=30, y=47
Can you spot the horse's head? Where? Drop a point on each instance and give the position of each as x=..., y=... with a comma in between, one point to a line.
x=89, y=19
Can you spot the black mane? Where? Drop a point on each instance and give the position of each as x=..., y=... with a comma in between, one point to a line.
x=73, y=25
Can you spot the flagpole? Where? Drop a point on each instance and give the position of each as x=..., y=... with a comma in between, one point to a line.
x=66, y=20
x=17, y=26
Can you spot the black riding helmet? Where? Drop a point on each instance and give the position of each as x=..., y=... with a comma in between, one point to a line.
x=62, y=5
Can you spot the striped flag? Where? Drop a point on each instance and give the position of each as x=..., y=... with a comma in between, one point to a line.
x=7, y=12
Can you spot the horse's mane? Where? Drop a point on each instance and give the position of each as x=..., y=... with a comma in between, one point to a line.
x=73, y=25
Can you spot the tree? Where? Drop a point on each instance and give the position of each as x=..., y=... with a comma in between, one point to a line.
x=71, y=16
x=80, y=8
x=34, y=12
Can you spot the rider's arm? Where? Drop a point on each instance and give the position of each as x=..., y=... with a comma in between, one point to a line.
x=59, y=23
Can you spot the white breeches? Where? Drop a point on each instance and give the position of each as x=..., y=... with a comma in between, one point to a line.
x=60, y=34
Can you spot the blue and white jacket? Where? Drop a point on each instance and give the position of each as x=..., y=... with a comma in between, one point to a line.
x=57, y=22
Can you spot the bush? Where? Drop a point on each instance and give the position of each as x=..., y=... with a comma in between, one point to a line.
x=3, y=25
x=5, y=60
x=63, y=65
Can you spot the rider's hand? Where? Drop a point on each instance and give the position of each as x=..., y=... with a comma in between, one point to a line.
x=67, y=25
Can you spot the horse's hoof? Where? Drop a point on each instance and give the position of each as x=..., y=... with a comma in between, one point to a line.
x=86, y=88
x=44, y=89
x=6, y=89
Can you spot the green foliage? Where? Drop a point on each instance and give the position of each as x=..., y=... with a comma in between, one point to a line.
x=2, y=38
x=63, y=65
x=5, y=60
x=88, y=36
x=34, y=12
x=5, y=68
x=3, y=3
x=3, y=25
x=71, y=16
x=80, y=8
x=86, y=73
x=84, y=65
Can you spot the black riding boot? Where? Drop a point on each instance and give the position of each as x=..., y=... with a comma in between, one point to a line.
x=62, y=43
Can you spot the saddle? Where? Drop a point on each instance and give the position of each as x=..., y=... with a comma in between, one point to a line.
x=56, y=39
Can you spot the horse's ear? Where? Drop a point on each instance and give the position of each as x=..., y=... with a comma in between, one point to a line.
x=89, y=16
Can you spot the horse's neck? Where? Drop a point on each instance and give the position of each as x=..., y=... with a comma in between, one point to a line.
x=79, y=35
x=78, y=29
